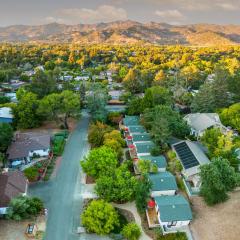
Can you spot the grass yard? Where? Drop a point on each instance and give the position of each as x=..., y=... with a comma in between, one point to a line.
x=220, y=222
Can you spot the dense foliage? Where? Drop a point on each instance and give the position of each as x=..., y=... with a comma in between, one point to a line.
x=24, y=208
x=100, y=217
x=218, y=178
x=117, y=187
x=100, y=162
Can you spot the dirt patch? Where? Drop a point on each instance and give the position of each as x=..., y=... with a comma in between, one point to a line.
x=90, y=180
x=220, y=222
x=15, y=230
x=50, y=127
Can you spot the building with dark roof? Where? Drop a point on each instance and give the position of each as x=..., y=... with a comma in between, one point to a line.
x=191, y=157
x=26, y=146
x=12, y=184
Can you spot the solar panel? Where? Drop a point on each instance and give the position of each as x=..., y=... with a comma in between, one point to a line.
x=186, y=156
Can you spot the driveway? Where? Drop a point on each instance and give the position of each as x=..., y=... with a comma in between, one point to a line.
x=61, y=194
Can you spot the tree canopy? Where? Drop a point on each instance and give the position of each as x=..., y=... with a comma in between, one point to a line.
x=100, y=161
x=218, y=178
x=100, y=217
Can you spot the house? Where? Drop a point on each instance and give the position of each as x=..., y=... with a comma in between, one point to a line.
x=139, y=138
x=13, y=184
x=66, y=78
x=26, y=146
x=6, y=115
x=81, y=78
x=12, y=96
x=138, y=129
x=159, y=161
x=163, y=183
x=144, y=149
x=171, y=213
x=200, y=122
x=131, y=121
x=115, y=94
x=191, y=157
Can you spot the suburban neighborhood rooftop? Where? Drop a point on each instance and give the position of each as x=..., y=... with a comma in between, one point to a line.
x=173, y=208
x=162, y=181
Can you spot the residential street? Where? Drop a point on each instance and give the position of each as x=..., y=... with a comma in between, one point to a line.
x=62, y=195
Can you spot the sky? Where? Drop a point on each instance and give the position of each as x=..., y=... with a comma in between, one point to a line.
x=36, y=12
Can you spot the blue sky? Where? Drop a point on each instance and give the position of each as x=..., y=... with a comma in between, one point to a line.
x=32, y=12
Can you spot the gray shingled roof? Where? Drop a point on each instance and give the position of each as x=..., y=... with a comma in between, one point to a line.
x=12, y=185
x=26, y=142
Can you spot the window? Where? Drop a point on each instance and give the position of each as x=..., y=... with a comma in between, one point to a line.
x=171, y=224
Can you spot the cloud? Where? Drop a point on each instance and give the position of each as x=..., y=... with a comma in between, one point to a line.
x=227, y=6
x=53, y=19
x=170, y=14
x=103, y=13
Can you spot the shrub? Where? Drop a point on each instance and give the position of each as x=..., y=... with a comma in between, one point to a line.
x=23, y=207
x=156, y=151
x=100, y=217
x=31, y=173
x=58, y=145
x=131, y=231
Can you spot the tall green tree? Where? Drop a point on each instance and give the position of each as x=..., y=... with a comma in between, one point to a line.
x=96, y=102
x=132, y=81
x=43, y=83
x=60, y=107
x=6, y=134
x=25, y=113
x=117, y=187
x=218, y=178
x=213, y=95
x=156, y=95
x=162, y=122
x=100, y=162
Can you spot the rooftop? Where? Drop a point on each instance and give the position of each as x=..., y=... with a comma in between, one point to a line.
x=26, y=142
x=6, y=112
x=131, y=120
x=190, y=156
x=12, y=184
x=137, y=129
x=163, y=181
x=173, y=208
x=141, y=137
x=202, y=121
x=160, y=161
x=144, y=147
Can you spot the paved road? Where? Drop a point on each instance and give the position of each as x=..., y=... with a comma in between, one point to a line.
x=61, y=194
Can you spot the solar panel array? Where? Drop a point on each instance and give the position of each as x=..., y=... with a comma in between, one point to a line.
x=186, y=156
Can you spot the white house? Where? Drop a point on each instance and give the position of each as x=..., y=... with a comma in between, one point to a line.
x=81, y=78
x=25, y=146
x=6, y=115
x=169, y=212
x=163, y=183
x=200, y=122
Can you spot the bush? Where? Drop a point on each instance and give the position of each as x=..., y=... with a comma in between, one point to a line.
x=156, y=151
x=58, y=145
x=23, y=207
x=100, y=217
x=31, y=173
x=174, y=236
x=131, y=231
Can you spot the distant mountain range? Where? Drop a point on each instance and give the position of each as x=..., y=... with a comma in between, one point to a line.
x=124, y=32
